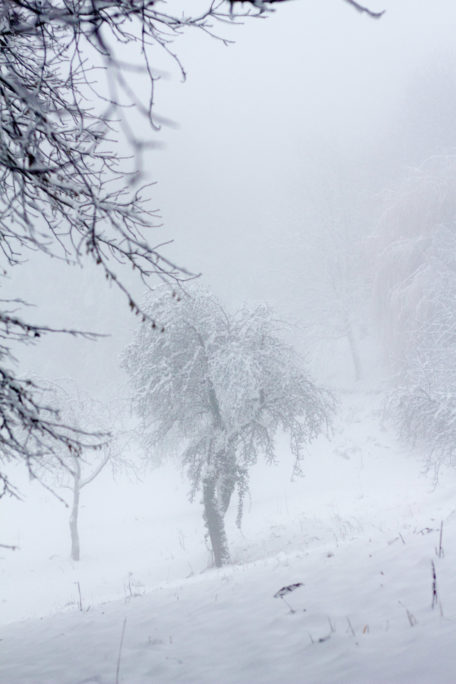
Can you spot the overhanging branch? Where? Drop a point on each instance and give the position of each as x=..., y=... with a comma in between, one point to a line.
x=365, y=10
x=263, y=5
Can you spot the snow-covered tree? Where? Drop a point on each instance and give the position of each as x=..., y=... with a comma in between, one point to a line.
x=71, y=470
x=412, y=248
x=224, y=385
x=415, y=293
x=331, y=284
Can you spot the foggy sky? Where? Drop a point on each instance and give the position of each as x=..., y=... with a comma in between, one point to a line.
x=314, y=98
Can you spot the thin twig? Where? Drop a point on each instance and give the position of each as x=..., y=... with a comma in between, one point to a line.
x=80, y=596
x=351, y=626
x=439, y=551
x=119, y=656
x=411, y=618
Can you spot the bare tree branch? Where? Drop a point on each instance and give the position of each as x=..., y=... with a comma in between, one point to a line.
x=65, y=88
x=365, y=10
x=65, y=93
x=264, y=5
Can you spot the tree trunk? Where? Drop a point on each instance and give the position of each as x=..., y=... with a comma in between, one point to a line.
x=75, y=549
x=213, y=518
x=226, y=467
x=225, y=492
x=354, y=351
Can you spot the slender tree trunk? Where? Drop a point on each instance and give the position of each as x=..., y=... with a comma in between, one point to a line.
x=354, y=351
x=213, y=509
x=75, y=548
x=213, y=517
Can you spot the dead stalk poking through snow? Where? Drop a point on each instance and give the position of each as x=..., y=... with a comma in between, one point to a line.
x=119, y=656
x=439, y=550
x=435, y=595
x=79, y=596
x=350, y=626
x=287, y=590
x=411, y=618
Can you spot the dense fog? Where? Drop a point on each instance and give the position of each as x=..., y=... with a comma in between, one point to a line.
x=294, y=398
x=291, y=134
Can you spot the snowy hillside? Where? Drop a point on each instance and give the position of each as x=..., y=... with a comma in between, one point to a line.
x=361, y=532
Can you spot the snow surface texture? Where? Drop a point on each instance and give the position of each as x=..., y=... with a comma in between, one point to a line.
x=361, y=531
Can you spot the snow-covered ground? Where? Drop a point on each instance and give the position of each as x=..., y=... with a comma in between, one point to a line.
x=360, y=530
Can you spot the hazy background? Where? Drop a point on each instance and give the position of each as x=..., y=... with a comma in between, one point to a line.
x=304, y=120
x=274, y=173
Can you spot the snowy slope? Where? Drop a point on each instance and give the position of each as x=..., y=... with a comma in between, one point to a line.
x=360, y=531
